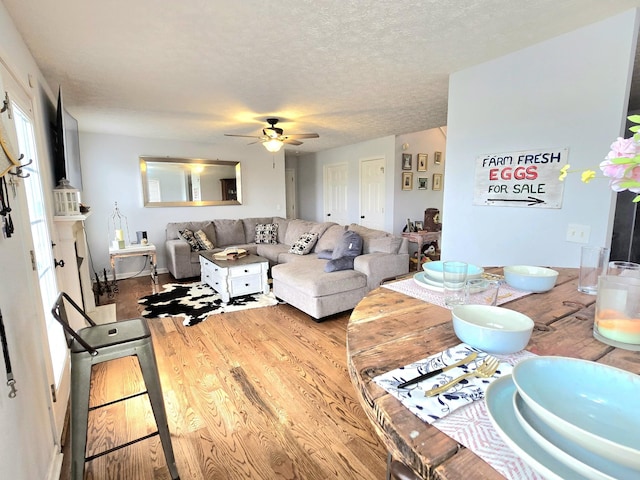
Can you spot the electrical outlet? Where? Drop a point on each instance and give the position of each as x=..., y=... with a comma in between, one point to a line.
x=578, y=233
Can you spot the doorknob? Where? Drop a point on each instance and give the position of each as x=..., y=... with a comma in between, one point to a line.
x=361, y=216
x=328, y=214
x=59, y=263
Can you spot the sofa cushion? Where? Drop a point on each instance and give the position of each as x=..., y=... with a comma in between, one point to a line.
x=350, y=245
x=330, y=238
x=304, y=244
x=282, y=223
x=337, y=264
x=203, y=240
x=266, y=233
x=249, y=225
x=173, y=229
x=369, y=234
x=229, y=232
x=387, y=244
x=296, y=228
x=189, y=236
x=310, y=278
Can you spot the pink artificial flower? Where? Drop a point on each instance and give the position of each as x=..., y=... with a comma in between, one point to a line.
x=612, y=170
x=624, y=147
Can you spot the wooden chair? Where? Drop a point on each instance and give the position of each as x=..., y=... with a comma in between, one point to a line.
x=102, y=343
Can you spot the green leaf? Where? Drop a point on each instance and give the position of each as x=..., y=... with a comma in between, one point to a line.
x=634, y=118
x=636, y=199
x=635, y=128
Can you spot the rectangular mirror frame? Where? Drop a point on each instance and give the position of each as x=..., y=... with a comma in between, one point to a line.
x=146, y=161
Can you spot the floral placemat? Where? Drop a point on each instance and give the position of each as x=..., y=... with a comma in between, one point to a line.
x=461, y=412
x=414, y=289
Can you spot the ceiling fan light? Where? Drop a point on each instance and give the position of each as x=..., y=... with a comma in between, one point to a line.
x=273, y=145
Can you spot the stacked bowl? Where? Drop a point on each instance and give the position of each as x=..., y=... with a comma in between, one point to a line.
x=431, y=276
x=570, y=418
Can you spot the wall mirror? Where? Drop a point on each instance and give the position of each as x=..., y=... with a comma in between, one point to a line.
x=181, y=182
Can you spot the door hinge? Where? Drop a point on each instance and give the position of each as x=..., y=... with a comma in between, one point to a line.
x=53, y=393
x=6, y=105
x=34, y=265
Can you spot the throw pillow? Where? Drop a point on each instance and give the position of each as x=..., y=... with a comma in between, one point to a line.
x=343, y=263
x=304, y=244
x=203, y=241
x=188, y=235
x=267, y=233
x=350, y=245
x=325, y=254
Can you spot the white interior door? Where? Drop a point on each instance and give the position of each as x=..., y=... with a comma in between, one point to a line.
x=291, y=195
x=372, y=193
x=58, y=368
x=335, y=193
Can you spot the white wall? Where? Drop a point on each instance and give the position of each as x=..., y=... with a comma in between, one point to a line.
x=412, y=203
x=570, y=91
x=110, y=173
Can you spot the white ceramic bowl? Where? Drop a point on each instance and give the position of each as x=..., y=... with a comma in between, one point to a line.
x=492, y=329
x=581, y=460
x=532, y=279
x=433, y=270
x=593, y=405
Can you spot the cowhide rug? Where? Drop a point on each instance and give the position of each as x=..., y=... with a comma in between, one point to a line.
x=197, y=301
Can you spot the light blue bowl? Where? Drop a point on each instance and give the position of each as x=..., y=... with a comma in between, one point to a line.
x=531, y=279
x=491, y=329
x=593, y=405
x=433, y=270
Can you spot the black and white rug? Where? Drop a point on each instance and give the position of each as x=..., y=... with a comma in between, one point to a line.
x=197, y=301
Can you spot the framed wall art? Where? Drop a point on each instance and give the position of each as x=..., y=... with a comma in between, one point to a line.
x=422, y=183
x=407, y=180
x=406, y=161
x=422, y=162
x=419, y=225
x=437, y=181
x=437, y=158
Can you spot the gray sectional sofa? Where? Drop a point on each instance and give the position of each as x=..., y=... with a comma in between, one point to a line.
x=300, y=280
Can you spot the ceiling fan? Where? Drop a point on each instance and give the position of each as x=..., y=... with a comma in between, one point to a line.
x=273, y=137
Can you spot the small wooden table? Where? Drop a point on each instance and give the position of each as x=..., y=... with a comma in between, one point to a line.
x=420, y=238
x=233, y=278
x=388, y=329
x=148, y=251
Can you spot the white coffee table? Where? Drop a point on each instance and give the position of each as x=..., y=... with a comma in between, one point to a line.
x=234, y=278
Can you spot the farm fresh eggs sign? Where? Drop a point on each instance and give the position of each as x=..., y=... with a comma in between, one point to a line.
x=520, y=179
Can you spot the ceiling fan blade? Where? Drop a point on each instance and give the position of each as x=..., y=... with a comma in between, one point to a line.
x=291, y=141
x=245, y=136
x=302, y=135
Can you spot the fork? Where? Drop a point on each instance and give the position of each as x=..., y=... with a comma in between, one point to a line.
x=485, y=370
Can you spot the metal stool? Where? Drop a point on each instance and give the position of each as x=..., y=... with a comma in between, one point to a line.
x=101, y=343
x=399, y=471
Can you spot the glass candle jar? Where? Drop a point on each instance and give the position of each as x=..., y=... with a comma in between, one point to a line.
x=617, y=320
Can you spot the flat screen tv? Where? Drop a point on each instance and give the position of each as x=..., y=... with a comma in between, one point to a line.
x=66, y=147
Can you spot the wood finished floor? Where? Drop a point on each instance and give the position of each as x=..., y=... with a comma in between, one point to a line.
x=257, y=394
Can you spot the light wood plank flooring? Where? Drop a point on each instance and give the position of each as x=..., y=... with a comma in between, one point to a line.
x=257, y=394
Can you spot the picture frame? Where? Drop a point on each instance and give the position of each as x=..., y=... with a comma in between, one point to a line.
x=419, y=225
x=410, y=226
x=406, y=161
x=437, y=158
x=407, y=180
x=422, y=162
x=422, y=183
x=436, y=181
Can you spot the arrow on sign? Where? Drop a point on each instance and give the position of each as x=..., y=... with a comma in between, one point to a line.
x=530, y=200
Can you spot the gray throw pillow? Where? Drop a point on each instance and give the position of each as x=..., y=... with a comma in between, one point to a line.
x=350, y=245
x=343, y=263
x=325, y=254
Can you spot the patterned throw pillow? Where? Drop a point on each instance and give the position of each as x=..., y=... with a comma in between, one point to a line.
x=304, y=244
x=203, y=241
x=188, y=235
x=267, y=233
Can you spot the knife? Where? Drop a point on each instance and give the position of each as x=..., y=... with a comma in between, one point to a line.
x=433, y=373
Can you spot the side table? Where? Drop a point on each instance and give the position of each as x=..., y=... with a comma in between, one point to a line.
x=148, y=251
x=421, y=238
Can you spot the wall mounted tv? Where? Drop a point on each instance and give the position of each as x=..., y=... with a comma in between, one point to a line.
x=66, y=149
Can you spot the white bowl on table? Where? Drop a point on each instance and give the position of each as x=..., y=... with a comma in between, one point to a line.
x=590, y=404
x=530, y=278
x=492, y=329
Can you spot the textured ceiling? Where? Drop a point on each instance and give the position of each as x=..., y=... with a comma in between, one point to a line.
x=350, y=70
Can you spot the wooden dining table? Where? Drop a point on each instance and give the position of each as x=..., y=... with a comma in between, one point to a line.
x=389, y=329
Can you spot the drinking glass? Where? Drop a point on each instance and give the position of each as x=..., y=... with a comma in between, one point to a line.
x=480, y=291
x=617, y=319
x=626, y=269
x=593, y=263
x=454, y=279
